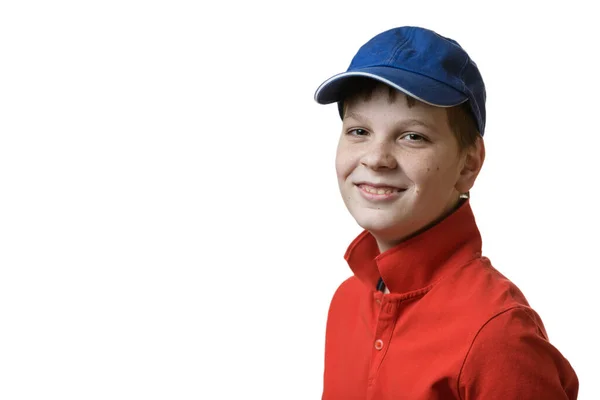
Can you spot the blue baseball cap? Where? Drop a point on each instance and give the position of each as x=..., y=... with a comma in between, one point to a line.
x=419, y=62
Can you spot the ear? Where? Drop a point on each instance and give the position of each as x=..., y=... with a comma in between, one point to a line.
x=474, y=157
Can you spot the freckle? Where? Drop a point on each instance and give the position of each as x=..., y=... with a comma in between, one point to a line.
x=438, y=168
x=428, y=169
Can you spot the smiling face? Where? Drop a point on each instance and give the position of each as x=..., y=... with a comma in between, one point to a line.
x=399, y=166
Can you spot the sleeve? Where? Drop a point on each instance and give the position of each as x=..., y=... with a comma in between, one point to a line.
x=511, y=358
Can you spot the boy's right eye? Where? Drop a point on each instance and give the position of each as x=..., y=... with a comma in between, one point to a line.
x=358, y=132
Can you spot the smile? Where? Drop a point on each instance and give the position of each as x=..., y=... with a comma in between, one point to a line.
x=374, y=190
x=379, y=192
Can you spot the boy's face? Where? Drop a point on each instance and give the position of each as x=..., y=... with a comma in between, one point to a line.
x=399, y=168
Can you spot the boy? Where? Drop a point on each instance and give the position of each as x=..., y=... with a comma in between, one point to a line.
x=425, y=315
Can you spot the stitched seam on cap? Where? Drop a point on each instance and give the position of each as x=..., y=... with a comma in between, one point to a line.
x=398, y=48
x=473, y=104
x=462, y=72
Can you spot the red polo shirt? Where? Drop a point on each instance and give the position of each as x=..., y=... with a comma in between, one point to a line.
x=452, y=327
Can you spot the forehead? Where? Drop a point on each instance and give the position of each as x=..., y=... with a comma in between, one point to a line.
x=380, y=101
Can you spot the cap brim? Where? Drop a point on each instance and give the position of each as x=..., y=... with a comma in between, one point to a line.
x=420, y=87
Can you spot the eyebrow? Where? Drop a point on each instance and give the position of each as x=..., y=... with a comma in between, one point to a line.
x=358, y=117
x=417, y=122
x=406, y=122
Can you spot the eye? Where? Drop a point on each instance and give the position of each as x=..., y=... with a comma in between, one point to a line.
x=358, y=132
x=414, y=137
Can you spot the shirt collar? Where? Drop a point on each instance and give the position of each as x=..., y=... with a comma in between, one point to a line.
x=421, y=260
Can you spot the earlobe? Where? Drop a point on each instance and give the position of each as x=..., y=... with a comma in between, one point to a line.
x=474, y=158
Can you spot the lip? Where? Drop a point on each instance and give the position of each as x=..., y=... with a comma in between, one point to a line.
x=376, y=196
x=378, y=185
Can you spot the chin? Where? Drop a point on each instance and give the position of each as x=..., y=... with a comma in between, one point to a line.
x=380, y=223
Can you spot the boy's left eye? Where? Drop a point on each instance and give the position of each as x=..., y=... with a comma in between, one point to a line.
x=413, y=137
x=357, y=132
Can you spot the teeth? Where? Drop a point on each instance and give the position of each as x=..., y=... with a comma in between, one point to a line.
x=373, y=190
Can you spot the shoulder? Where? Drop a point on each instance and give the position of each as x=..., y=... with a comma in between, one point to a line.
x=348, y=287
x=347, y=302
x=347, y=292
x=510, y=357
x=482, y=292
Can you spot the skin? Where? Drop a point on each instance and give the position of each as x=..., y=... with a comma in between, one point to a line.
x=411, y=151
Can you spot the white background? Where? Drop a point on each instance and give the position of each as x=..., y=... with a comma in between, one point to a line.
x=170, y=223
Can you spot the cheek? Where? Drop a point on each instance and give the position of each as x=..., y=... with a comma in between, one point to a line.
x=343, y=163
x=430, y=173
x=439, y=176
x=420, y=170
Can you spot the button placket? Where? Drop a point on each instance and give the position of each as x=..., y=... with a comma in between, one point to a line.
x=383, y=334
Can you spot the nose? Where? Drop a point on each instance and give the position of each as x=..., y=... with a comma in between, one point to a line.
x=379, y=156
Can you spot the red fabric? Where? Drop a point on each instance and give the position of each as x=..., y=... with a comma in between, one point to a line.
x=452, y=327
